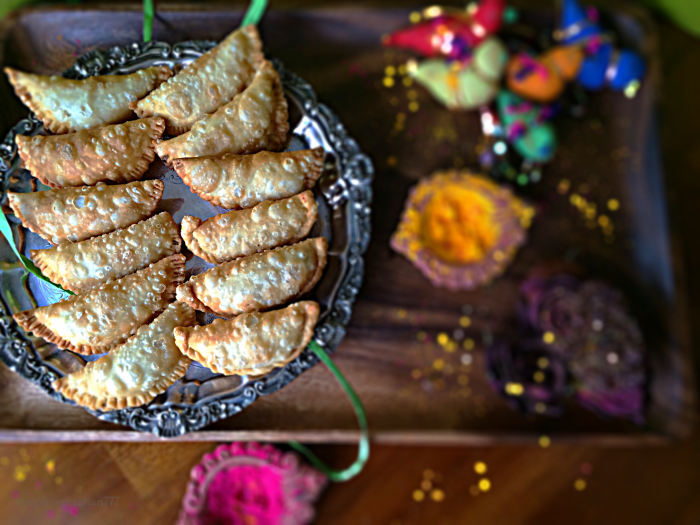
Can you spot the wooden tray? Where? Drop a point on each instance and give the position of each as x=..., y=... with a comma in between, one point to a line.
x=414, y=391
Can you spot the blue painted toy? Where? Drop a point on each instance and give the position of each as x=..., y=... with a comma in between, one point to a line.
x=604, y=65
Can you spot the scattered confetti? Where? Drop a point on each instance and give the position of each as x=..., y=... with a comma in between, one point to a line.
x=21, y=472
x=437, y=495
x=514, y=389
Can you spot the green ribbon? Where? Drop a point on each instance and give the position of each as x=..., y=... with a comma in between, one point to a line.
x=26, y=262
x=363, y=451
x=148, y=16
x=255, y=12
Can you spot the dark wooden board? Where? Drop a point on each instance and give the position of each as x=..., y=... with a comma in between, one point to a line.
x=613, y=149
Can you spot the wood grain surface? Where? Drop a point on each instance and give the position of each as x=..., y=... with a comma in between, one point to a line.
x=407, y=384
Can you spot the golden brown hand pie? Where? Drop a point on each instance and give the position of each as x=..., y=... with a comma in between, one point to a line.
x=238, y=233
x=83, y=265
x=207, y=83
x=251, y=344
x=134, y=373
x=75, y=214
x=117, y=153
x=257, y=282
x=106, y=316
x=71, y=105
x=242, y=181
x=253, y=121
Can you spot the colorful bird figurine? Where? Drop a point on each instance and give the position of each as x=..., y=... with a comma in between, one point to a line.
x=526, y=127
x=604, y=64
x=464, y=85
x=450, y=32
x=543, y=78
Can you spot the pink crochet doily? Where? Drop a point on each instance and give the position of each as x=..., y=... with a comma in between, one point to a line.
x=250, y=484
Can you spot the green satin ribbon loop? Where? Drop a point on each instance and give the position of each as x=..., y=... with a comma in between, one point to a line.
x=149, y=13
x=26, y=262
x=255, y=12
x=363, y=451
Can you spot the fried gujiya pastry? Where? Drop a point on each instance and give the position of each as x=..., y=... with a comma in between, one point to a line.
x=239, y=233
x=257, y=282
x=66, y=105
x=76, y=214
x=254, y=120
x=207, y=83
x=242, y=181
x=81, y=266
x=117, y=153
x=134, y=373
x=251, y=344
x=106, y=316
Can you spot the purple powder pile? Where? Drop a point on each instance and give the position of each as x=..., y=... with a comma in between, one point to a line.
x=591, y=346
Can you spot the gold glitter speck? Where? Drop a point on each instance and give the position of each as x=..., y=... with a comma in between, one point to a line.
x=548, y=338
x=465, y=321
x=580, y=484
x=437, y=495
x=480, y=467
x=514, y=389
x=468, y=344
x=613, y=204
x=418, y=495
x=484, y=485
x=544, y=441
x=414, y=17
x=442, y=338
x=538, y=376
x=413, y=106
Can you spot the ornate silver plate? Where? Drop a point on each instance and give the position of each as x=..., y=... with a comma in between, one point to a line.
x=343, y=193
